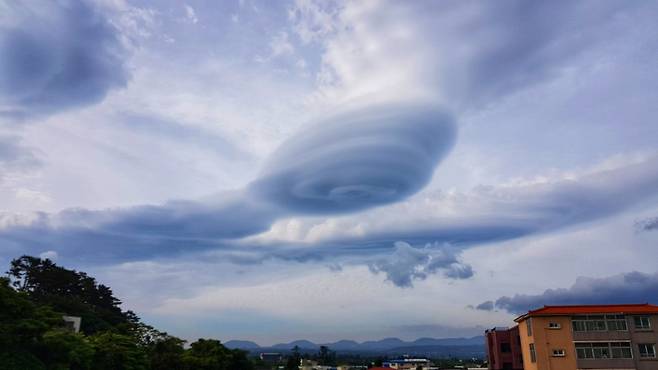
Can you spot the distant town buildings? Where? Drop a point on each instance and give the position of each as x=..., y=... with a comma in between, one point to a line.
x=271, y=357
x=601, y=337
x=409, y=364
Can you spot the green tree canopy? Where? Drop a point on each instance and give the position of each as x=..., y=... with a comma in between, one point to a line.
x=32, y=334
x=68, y=291
x=117, y=352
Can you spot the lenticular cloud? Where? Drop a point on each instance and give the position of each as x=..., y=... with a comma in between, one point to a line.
x=357, y=159
x=354, y=160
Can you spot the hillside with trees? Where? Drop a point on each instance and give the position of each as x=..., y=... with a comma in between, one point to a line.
x=36, y=294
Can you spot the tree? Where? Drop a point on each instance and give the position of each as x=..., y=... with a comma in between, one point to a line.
x=117, y=352
x=166, y=354
x=22, y=325
x=206, y=354
x=69, y=291
x=63, y=349
x=294, y=360
x=32, y=334
x=210, y=354
x=326, y=357
x=239, y=361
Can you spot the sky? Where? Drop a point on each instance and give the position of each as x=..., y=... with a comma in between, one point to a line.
x=328, y=170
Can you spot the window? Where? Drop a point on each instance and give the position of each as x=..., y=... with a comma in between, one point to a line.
x=616, y=322
x=621, y=350
x=647, y=350
x=554, y=325
x=599, y=323
x=505, y=348
x=558, y=353
x=603, y=350
x=578, y=325
x=642, y=322
x=533, y=354
x=584, y=350
x=595, y=323
x=528, y=324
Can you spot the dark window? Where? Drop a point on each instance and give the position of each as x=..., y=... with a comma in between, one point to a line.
x=621, y=350
x=642, y=322
x=647, y=350
x=505, y=347
x=598, y=323
x=528, y=324
x=533, y=354
x=603, y=350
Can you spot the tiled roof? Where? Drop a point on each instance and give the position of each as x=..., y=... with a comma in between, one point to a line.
x=642, y=308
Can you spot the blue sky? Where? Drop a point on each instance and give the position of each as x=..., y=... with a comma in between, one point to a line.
x=327, y=169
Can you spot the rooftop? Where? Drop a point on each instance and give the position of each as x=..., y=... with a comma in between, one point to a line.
x=641, y=308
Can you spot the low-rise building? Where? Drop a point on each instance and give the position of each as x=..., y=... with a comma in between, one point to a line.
x=408, y=364
x=271, y=357
x=620, y=337
x=504, y=348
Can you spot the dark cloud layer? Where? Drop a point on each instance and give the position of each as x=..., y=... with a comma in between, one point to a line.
x=511, y=212
x=55, y=56
x=631, y=287
x=357, y=160
x=485, y=306
x=196, y=227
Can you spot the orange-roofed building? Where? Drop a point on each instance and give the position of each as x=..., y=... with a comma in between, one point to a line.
x=596, y=337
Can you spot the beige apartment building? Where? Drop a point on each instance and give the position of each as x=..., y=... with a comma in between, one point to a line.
x=592, y=337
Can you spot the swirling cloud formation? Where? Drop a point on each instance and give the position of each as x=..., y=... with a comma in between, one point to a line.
x=357, y=160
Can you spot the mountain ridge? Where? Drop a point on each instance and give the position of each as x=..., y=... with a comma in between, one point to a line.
x=385, y=344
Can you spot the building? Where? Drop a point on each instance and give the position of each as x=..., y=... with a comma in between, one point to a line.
x=271, y=357
x=504, y=349
x=620, y=337
x=408, y=364
x=72, y=323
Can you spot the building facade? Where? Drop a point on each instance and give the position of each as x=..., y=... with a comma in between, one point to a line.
x=504, y=349
x=593, y=337
x=72, y=323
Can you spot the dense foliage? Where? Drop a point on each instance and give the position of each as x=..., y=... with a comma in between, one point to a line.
x=33, y=335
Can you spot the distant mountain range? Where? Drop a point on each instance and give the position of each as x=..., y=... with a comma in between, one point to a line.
x=459, y=347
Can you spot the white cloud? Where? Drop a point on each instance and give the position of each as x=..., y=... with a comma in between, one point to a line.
x=191, y=14
x=51, y=255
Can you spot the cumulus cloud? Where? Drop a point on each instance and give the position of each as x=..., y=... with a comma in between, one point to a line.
x=357, y=160
x=407, y=264
x=57, y=55
x=51, y=255
x=630, y=287
x=647, y=224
